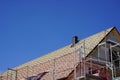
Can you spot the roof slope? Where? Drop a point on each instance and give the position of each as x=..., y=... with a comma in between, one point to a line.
x=90, y=43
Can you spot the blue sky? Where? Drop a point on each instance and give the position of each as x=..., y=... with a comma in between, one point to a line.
x=33, y=28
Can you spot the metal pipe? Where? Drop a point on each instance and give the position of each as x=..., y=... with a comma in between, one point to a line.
x=27, y=71
x=84, y=62
x=53, y=69
x=80, y=61
x=91, y=66
x=116, y=45
x=112, y=41
x=112, y=62
x=7, y=74
x=102, y=43
x=98, y=54
x=74, y=61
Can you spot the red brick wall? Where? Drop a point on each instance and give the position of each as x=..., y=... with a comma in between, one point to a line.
x=59, y=67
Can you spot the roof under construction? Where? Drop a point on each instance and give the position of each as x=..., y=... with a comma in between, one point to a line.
x=91, y=42
x=67, y=59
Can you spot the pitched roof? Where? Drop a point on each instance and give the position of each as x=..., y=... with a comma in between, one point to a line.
x=90, y=43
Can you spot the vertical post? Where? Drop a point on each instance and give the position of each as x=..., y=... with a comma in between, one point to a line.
x=81, y=63
x=7, y=74
x=105, y=48
x=111, y=62
x=33, y=70
x=16, y=75
x=98, y=54
x=74, y=61
x=27, y=71
x=53, y=69
x=115, y=71
x=119, y=59
x=106, y=52
x=84, y=61
x=11, y=75
x=90, y=65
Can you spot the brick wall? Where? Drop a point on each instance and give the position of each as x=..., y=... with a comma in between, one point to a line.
x=57, y=68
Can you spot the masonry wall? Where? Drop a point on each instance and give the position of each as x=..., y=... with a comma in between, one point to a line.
x=56, y=68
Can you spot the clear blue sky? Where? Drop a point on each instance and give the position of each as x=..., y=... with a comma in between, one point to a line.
x=32, y=28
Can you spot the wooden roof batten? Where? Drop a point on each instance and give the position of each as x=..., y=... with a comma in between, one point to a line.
x=68, y=49
x=91, y=42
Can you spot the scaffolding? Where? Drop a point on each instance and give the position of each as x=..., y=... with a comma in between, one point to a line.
x=101, y=69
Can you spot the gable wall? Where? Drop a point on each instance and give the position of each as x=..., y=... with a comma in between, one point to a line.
x=114, y=36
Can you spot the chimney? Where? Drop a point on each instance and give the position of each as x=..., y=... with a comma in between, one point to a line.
x=74, y=40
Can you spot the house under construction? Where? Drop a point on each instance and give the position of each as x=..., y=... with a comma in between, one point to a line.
x=94, y=58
